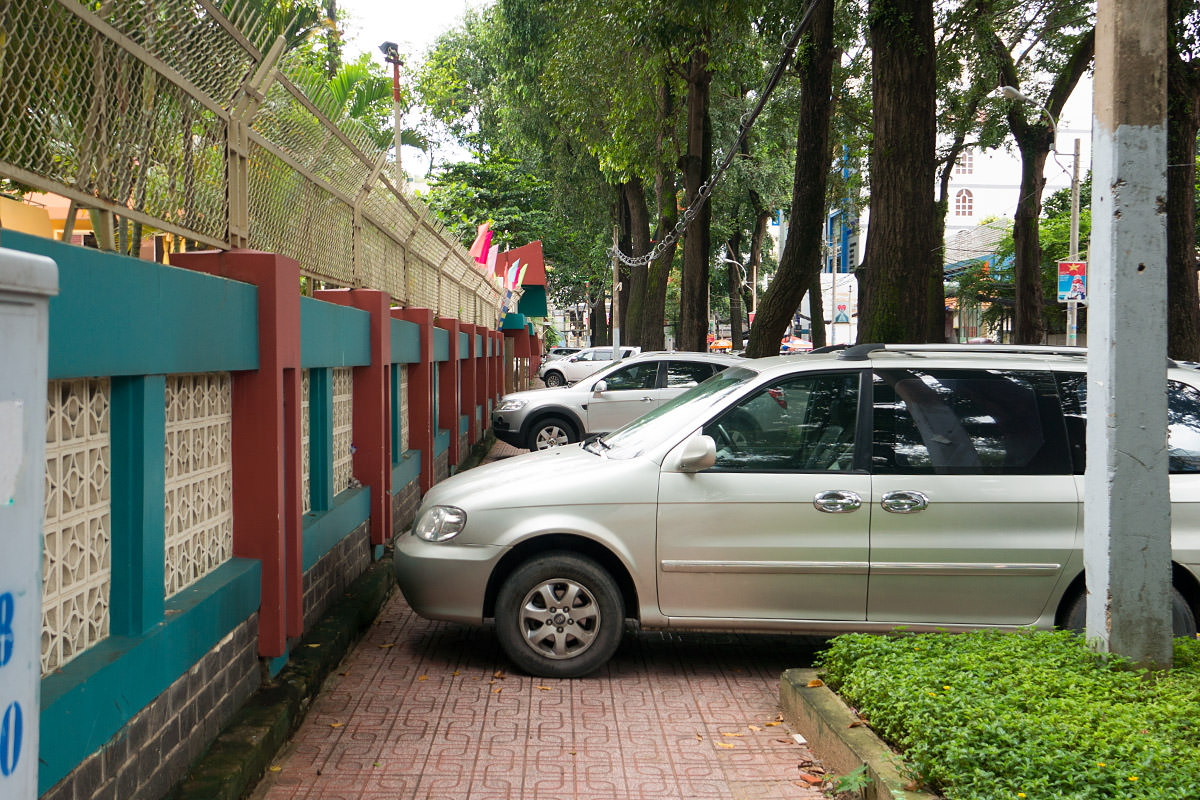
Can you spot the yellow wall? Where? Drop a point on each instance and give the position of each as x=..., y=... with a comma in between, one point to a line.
x=25, y=218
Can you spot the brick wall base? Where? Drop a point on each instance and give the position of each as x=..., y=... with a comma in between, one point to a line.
x=441, y=467
x=335, y=570
x=404, y=507
x=153, y=751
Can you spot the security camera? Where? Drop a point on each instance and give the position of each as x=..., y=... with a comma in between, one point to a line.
x=391, y=51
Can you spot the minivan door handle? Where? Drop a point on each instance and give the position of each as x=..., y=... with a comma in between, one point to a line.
x=904, y=502
x=837, y=501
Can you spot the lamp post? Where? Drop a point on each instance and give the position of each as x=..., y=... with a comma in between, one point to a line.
x=391, y=54
x=1012, y=93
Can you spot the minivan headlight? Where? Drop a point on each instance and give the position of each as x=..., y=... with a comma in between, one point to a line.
x=511, y=405
x=440, y=523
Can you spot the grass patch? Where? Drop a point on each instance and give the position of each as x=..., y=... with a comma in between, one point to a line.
x=1027, y=715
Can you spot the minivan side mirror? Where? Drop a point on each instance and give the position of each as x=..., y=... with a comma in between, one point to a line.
x=698, y=454
x=599, y=388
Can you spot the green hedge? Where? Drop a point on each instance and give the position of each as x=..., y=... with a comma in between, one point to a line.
x=1025, y=716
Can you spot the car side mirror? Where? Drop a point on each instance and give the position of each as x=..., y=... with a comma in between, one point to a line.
x=699, y=453
x=573, y=358
x=599, y=388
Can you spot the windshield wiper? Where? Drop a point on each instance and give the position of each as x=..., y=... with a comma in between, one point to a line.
x=596, y=444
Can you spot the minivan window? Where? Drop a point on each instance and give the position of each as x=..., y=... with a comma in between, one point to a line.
x=966, y=422
x=1183, y=422
x=803, y=423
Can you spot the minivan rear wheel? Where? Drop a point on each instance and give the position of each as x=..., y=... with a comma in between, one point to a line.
x=1183, y=621
x=554, y=379
x=559, y=615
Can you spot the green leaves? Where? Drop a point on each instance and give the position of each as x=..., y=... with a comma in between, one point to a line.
x=1029, y=714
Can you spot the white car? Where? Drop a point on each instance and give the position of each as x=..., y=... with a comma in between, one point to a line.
x=619, y=393
x=563, y=371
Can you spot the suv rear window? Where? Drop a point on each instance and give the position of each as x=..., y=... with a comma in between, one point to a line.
x=968, y=422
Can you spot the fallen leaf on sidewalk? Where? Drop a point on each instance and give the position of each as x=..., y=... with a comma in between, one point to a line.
x=815, y=682
x=773, y=724
x=699, y=738
x=754, y=728
x=726, y=745
x=542, y=688
x=312, y=645
x=730, y=734
x=499, y=674
x=386, y=646
x=276, y=769
x=810, y=779
x=498, y=690
x=858, y=723
x=422, y=677
x=455, y=673
x=337, y=724
x=784, y=741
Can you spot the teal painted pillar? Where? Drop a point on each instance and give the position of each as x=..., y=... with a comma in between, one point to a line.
x=397, y=423
x=320, y=439
x=139, y=424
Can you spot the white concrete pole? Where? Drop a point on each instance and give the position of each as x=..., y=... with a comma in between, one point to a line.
x=616, y=310
x=1127, y=540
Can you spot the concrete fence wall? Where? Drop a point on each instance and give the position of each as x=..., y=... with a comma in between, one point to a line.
x=224, y=456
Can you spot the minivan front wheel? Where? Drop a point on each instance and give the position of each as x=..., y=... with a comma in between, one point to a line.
x=559, y=615
x=550, y=432
x=1183, y=621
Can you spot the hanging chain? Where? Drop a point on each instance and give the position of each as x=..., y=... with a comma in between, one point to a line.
x=791, y=39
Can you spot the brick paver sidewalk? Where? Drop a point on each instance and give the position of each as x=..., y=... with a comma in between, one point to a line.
x=430, y=710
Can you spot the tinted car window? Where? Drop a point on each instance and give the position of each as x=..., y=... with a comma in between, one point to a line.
x=965, y=422
x=1183, y=422
x=643, y=375
x=803, y=423
x=685, y=374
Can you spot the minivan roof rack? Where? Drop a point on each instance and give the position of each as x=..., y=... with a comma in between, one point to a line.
x=861, y=352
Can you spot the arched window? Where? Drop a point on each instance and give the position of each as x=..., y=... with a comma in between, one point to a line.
x=966, y=163
x=964, y=203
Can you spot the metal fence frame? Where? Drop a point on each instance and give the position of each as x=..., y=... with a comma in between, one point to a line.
x=258, y=160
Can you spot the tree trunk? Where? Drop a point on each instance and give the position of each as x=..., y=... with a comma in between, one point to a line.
x=598, y=321
x=816, y=308
x=893, y=302
x=1029, y=327
x=625, y=245
x=654, y=312
x=801, y=257
x=1183, y=299
x=697, y=167
x=761, y=220
x=639, y=234
x=937, y=273
x=1034, y=139
x=733, y=282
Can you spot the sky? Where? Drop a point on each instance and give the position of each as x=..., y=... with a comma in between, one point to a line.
x=413, y=24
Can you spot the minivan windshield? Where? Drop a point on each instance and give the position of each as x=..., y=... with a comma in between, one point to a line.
x=630, y=440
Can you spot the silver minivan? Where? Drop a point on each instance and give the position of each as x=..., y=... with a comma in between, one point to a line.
x=931, y=487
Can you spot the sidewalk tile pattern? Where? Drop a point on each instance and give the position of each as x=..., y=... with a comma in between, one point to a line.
x=430, y=711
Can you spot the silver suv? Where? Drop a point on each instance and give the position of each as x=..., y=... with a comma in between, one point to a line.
x=606, y=400
x=576, y=367
x=920, y=486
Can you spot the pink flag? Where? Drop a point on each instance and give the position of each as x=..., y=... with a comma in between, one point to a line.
x=492, y=254
x=483, y=240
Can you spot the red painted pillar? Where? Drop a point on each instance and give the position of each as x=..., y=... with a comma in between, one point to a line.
x=481, y=378
x=469, y=368
x=420, y=392
x=535, y=354
x=372, y=442
x=448, y=392
x=266, y=439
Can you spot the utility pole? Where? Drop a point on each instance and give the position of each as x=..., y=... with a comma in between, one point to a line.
x=391, y=54
x=616, y=310
x=1073, y=305
x=1127, y=512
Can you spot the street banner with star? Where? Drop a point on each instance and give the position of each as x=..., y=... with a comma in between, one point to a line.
x=1072, y=281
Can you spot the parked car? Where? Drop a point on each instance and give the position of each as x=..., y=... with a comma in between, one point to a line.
x=555, y=353
x=542, y=418
x=578, y=366
x=925, y=486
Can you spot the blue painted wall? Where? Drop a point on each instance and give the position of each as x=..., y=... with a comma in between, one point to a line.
x=333, y=335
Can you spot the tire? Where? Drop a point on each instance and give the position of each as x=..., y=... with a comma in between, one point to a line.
x=551, y=432
x=579, y=637
x=1183, y=621
x=554, y=378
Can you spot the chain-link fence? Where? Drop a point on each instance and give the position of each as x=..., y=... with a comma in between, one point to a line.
x=189, y=116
